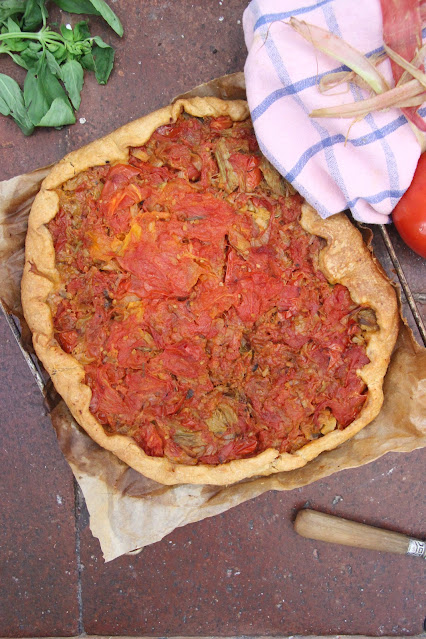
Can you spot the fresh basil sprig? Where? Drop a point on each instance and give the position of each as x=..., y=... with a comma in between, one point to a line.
x=92, y=7
x=55, y=61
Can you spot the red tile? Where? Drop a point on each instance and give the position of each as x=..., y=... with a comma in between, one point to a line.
x=246, y=572
x=38, y=585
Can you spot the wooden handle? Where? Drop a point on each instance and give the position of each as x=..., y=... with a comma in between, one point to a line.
x=316, y=525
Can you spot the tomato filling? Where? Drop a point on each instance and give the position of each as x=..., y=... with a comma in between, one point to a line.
x=193, y=299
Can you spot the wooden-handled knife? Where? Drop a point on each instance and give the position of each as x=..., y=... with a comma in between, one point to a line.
x=317, y=525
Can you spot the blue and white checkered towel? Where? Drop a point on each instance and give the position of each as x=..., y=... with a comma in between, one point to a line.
x=367, y=170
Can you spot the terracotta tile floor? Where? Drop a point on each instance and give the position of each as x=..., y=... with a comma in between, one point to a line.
x=244, y=572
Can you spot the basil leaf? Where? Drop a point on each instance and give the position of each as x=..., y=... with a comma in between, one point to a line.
x=108, y=15
x=72, y=77
x=4, y=109
x=59, y=114
x=94, y=8
x=19, y=60
x=12, y=103
x=67, y=33
x=35, y=14
x=53, y=65
x=77, y=6
x=41, y=88
x=17, y=45
x=30, y=58
x=81, y=31
x=35, y=46
x=12, y=27
x=87, y=62
x=59, y=53
x=98, y=40
x=35, y=98
x=12, y=5
x=103, y=57
x=10, y=93
x=43, y=10
x=10, y=8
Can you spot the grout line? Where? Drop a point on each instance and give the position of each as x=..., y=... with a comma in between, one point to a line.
x=404, y=283
x=417, y=636
x=77, y=510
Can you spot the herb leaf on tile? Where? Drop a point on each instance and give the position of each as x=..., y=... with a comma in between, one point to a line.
x=55, y=60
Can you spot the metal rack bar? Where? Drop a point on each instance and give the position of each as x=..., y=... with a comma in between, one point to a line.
x=404, y=284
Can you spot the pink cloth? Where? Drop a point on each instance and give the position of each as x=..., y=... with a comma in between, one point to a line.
x=365, y=167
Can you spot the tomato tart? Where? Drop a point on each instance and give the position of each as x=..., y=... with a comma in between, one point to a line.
x=200, y=320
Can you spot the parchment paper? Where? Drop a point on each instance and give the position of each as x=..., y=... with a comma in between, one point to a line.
x=128, y=511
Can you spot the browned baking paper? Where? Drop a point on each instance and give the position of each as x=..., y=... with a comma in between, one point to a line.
x=128, y=511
